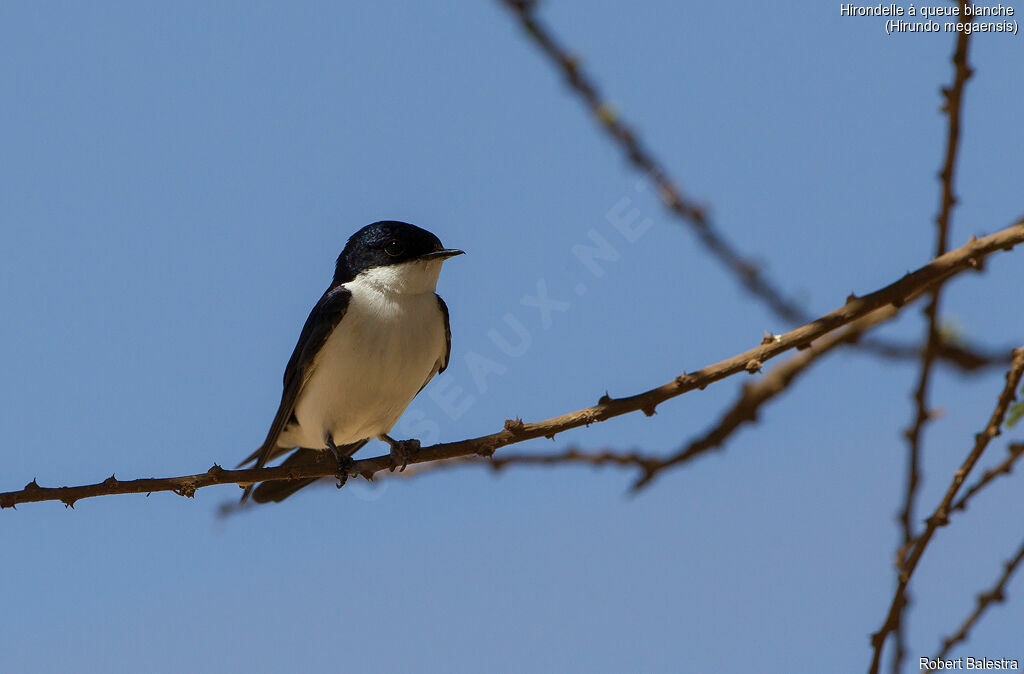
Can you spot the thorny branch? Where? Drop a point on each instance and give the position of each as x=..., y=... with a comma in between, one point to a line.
x=985, y=599
x=496, y=463
x=964, y=358
x=1004, y=467
x=952, y=106
x=941, y=515
x=756, y=394
x=572, y=455
x=687, y=211
x=744, y=410
x=748, y=273
x=896, y=294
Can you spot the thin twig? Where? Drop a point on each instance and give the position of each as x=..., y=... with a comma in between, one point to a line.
x=996, y=595
x=570, y=456
x=952, y=106
x=754, y=395
x=1004, y=467
x=897, y=294
x=743, y=410
x=496, y=463
x=965, y=358
x=941, y=515
x=624, y=135
x=748, y=273
x=1014, y=452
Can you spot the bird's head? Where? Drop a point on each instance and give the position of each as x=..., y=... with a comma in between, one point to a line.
x=394, y=256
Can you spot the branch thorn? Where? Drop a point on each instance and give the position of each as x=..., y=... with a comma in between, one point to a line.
x=515, y=426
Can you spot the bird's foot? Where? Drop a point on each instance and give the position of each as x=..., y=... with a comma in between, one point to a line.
x=401, y=451
x=345, y=463
x=345, y=466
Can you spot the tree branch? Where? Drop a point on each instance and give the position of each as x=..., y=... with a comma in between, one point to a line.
x=754, y=395
x=744, y=410
x=952, y=107
x=572, y=455
x=897, y=294
x=965, y=358
x=985, y=599
x=746, y=271
x=1014, y=452
x=1004, y=467
x=623, y=135
x=941, y=515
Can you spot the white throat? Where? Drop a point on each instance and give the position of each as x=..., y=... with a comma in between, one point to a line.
x=415, y=277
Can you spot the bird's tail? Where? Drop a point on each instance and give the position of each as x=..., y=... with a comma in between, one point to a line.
x=259, y=458
x=278, y=490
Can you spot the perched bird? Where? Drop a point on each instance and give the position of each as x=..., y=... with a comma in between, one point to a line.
x=371, y=343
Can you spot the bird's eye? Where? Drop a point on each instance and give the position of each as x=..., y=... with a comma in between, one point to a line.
x=394, y=248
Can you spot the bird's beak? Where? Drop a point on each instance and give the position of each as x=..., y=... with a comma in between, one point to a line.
x=442, y=254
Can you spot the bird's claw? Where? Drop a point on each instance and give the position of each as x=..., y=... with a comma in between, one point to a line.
x=345, y=462
x=345, y=465
x=401, y=451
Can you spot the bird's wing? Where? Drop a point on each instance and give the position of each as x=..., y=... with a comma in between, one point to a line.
x=447, y=334
x=442, y=362
x=322, y=320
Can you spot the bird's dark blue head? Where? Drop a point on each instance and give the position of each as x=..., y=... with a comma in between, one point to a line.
x=384, y=243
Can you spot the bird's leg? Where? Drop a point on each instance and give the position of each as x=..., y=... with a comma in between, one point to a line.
x=345, y=462
x=401, y=450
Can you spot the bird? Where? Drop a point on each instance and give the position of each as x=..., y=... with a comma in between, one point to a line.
x=376, y=337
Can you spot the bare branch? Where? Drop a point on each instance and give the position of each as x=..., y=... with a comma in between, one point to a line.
x=897, y=294
x=754, y=395
x=623, y=134
x=744, y=410
x=746, y=271
x=965, y=358
x=941, y=515
x=1015, y=450
x=985, y=599
x=952, y=107
x=572, y=455
x=1004, y=467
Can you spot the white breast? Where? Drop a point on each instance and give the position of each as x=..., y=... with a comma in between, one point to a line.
x=388, y=344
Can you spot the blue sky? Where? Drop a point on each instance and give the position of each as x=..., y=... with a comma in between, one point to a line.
x=177, y=182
